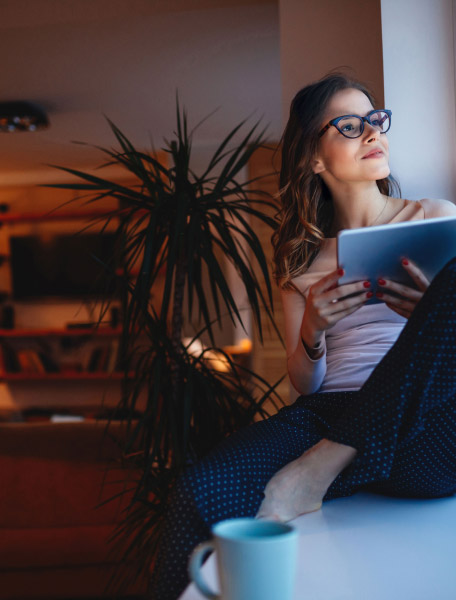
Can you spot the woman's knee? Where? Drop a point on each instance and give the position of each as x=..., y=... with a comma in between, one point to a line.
x=184, y=487
x=439, y=298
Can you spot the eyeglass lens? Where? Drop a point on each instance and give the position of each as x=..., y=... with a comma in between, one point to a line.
x=353, y=126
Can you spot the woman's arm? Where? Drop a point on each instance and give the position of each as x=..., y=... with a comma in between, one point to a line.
x=308, y=318
x=306, y=372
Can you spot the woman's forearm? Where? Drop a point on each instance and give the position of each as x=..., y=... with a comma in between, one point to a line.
x=307, y=372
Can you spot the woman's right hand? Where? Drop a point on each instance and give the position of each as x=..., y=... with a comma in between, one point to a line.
x=327, y=303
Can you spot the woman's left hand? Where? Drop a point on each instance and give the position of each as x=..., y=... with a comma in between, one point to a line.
x=409, y=297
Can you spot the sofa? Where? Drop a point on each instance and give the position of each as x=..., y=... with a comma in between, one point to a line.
x=54, y=535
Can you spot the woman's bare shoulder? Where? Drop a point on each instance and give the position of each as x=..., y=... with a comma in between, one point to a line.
x=295, y=287
x=324, y=263
x=437, y=208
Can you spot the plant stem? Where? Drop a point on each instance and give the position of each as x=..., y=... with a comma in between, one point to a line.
x=178, y=303
x=176, y=331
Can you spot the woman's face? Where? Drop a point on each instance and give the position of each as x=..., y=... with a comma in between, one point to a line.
x=343, y=160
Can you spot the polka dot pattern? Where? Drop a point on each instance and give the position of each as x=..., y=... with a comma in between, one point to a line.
x=402, y=422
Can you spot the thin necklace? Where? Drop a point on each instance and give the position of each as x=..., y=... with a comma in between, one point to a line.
x=381, y=212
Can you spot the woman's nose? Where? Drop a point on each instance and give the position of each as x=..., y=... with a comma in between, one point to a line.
x=371, y=133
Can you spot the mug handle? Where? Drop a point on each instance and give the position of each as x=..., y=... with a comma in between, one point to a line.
x=194, y=566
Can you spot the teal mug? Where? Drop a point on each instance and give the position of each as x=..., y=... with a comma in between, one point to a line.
x=255, y=559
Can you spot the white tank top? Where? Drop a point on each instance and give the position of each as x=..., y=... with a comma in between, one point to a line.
x=356, y=344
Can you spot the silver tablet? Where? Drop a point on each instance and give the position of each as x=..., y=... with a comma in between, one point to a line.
x=370, y=253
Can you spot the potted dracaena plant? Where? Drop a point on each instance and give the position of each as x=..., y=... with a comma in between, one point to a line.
x=182, y=227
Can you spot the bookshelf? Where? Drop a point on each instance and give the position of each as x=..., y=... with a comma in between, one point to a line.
x=52, y=326
x=57, y=354
x=50, y=354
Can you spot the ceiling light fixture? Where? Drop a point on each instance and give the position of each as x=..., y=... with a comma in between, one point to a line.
x=22, y=116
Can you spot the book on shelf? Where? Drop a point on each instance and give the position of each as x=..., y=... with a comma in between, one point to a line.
x=95, y=358
x=103, y=362
x=11, y=361
x=2, y=360
x=35, y=361
x=104, y=358
x=113, y=359
x=49, y=364
x=30, y=361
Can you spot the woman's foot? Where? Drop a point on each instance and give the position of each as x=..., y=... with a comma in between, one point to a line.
x=292, y=491
x=300, y=486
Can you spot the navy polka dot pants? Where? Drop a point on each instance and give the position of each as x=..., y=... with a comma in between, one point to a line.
x=402, y=422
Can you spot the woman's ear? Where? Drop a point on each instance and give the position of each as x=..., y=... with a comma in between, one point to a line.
x=317, y=165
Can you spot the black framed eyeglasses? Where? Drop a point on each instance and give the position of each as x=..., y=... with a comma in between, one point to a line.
x=352, y=126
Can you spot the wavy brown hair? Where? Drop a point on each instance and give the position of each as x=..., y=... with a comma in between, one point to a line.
x=306, y=212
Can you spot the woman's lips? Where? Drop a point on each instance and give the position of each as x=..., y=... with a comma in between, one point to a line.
x=376, y=154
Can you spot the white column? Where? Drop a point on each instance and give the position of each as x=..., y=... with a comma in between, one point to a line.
x=419, y=82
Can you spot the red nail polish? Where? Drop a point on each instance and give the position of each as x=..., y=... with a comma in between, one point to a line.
x=369, y=294
x=405, y=261
x=379, y=295
x=381, y=282
x=341, y=272
x=367, y=284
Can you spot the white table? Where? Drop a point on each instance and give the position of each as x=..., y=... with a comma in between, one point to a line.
x=370, y=547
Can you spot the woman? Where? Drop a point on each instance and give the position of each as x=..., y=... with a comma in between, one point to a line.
x=378, y=387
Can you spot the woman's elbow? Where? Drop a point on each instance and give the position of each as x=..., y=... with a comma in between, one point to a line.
x=302, y=386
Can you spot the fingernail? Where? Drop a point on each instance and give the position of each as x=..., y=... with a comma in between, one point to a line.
x=341, y=272
x=379, y=294
x=405, y=261
x=369, y=294
x=366, y=284
x=382, y=282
